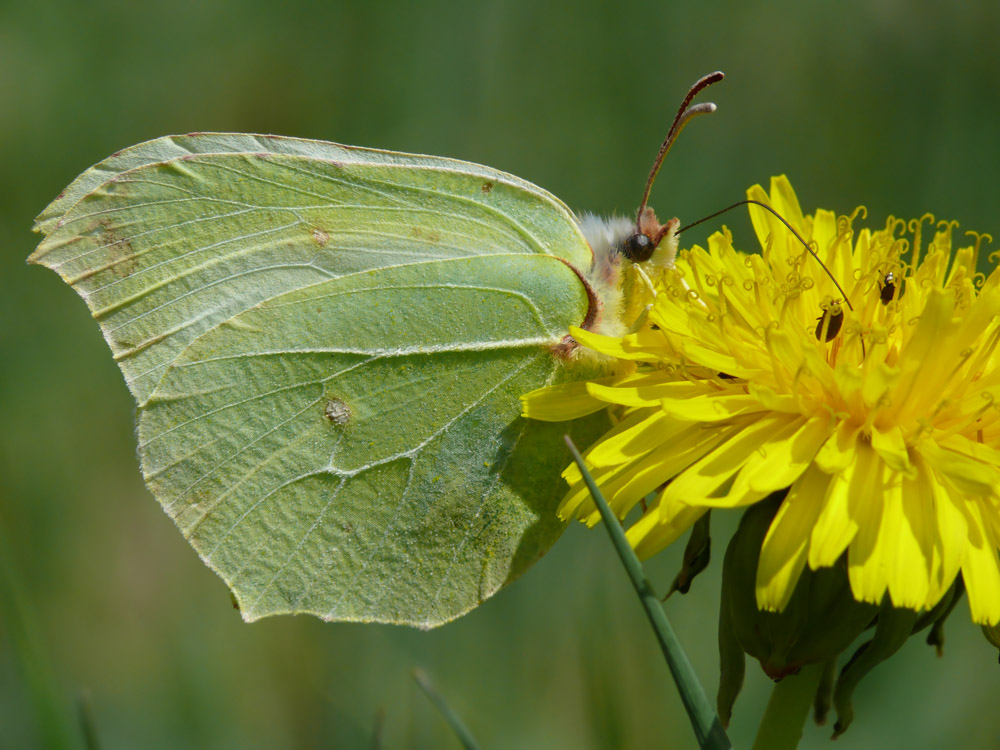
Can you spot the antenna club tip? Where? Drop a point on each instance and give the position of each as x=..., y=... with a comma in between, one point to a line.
x=709, y=79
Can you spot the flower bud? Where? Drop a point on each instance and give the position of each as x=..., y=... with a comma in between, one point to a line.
x=821, y=619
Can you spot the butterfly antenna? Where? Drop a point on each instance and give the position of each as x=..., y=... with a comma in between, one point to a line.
x=685, y=114
x=790, y=228
x=799, y=237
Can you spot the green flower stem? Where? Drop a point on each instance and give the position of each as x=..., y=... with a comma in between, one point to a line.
x=705, y=722
x=786, y=712
x=460, y=730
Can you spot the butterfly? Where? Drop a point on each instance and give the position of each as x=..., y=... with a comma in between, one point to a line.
x=327, y=345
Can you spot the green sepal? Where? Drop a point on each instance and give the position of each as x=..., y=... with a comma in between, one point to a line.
x=824, y=693
x=936, y=616
x=992, y=633
x=697, y=555
x=732, y=662
x=894, y=626
x=821, y=619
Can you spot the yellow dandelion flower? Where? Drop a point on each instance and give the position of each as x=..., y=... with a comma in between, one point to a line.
x=870, y=394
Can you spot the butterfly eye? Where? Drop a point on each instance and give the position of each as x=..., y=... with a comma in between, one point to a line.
x=888, y=290
x=638, y=248
x=831, y=321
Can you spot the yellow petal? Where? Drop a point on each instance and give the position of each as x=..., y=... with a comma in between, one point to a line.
x=661, y=466
x=785, y=549
x=649, y=534
x=774, y=401
x=867, y=563
x=952, y=529
x=849, y=381
x=892, y=449
x=733, y=265
x=918, y=383
x=981, y=568
x=713, y=360
x=704, y=483
x=910, y=533
x=785, y=202
x=635, y=442
x=623, y=485
x=785, y=348
x=838, y=256
x=980, y=452
x=572, y=473
x=649, y=394
x=557, y=403
x=880, y=378
x=837, y=524
x=715, y=406
x=824, y=234
x=838, y=451
x=671, y=316
x=969, y=475
x=577, y=501
x=760, y=218
x=613, y=346
x=780, y=461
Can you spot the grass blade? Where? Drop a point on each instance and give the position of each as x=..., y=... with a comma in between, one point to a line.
x=460, y=730
x=705, y=722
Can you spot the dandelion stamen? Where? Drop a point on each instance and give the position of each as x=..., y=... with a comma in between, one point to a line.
x=916, y=226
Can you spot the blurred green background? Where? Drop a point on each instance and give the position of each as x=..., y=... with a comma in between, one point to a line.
x=892, y=104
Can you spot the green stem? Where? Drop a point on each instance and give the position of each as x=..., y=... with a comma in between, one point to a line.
x=460, y=730
x=705, y=722
x=786, y=712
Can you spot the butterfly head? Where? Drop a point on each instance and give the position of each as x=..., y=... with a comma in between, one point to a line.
x=628, y=254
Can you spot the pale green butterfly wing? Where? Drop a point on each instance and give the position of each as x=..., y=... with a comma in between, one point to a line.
x=327, y=357
x=272, y=262
x=177, y=146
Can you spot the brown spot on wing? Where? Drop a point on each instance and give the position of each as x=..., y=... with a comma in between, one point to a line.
x=430, y=235
x=336, y=411
x=121, y=258
x=320, y=237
